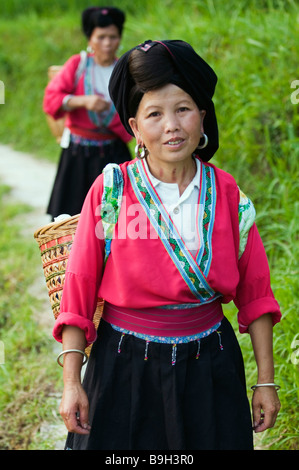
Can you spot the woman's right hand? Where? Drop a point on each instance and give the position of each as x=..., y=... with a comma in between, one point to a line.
x=96, y=103
x=74, y=408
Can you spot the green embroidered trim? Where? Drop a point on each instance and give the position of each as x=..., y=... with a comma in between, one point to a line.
x=111, y=202
x=246, y=220
x=208, y=199
x=168, y=234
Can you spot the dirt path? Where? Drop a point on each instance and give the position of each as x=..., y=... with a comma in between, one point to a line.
x=31, y=182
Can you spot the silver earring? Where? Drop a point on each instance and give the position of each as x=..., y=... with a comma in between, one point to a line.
x=140, y=151
x=204, y=144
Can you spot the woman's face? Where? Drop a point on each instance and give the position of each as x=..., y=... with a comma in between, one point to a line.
x=169, y=124
x=105, y=42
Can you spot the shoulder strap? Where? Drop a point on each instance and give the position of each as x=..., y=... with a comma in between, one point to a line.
x=81, y=66
x=246, y=220
x=111, y=202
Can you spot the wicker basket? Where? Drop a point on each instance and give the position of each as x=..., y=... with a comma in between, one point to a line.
x=56, y=125
x=55, y=241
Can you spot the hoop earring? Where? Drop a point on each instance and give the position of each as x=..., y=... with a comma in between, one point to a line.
x=140, y=151
x=204, y=144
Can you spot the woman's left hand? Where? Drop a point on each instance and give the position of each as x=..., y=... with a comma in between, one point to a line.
x=265, y=407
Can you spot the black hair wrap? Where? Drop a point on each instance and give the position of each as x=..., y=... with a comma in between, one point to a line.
x=102, y=17
x=192, y=74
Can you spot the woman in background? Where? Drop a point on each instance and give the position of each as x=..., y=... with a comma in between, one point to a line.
x=94, y=135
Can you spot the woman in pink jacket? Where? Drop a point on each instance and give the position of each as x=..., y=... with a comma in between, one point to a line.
x=94, y=135
x=166, y=239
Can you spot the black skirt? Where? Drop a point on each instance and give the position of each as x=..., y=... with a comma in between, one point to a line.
x=78, y=167
x=140, y=400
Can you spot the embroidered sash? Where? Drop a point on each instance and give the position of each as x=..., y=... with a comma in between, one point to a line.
x=194, y=272
x=101, y=120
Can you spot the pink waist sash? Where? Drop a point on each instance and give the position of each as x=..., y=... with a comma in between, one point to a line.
x=165, y=322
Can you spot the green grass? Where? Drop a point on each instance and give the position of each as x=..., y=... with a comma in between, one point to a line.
x=252, y=45
x=28, y=374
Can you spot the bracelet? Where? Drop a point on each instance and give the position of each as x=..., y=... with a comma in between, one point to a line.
x=73, y=350
x=277, y=387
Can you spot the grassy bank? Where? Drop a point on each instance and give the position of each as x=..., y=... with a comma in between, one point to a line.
x=252, y=46
x=29, y=379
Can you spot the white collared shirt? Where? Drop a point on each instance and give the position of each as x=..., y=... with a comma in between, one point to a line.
x=182, y=209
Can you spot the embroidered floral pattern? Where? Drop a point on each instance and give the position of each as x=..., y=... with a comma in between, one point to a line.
x=111, y=202
x=246, y=220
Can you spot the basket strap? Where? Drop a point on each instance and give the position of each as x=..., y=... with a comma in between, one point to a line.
x=111, y=202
